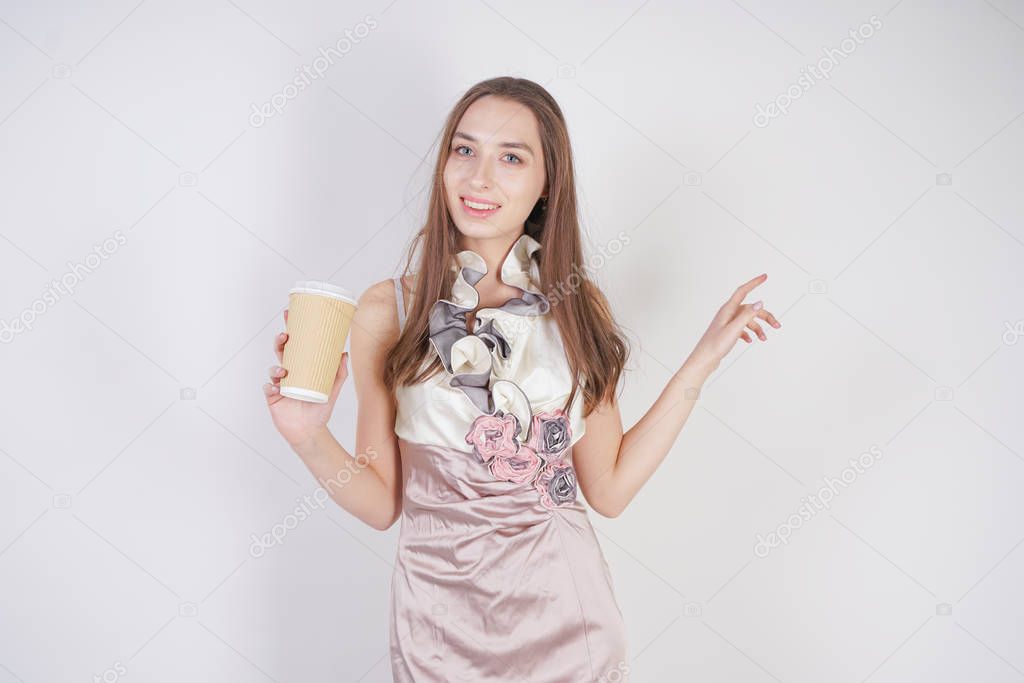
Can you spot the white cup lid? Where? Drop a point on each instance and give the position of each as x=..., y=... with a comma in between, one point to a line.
x=323, y=288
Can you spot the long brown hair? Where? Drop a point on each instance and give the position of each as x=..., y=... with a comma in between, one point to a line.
x=595, y=346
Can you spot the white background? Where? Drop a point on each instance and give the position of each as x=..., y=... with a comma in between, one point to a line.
x=136, y=453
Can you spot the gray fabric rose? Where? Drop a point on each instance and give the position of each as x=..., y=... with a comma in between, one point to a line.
x=556, y=484
x=550, y=433
x=562, y=487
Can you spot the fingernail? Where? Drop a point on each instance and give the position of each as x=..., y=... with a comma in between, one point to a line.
x=758, y=305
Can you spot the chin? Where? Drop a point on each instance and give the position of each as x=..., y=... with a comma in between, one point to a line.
x=483, y=232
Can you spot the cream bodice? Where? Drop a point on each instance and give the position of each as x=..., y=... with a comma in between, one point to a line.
x=513, y=362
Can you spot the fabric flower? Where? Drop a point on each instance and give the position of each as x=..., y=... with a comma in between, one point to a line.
x=518, y=467
x=471, y=363
x=556, y=484
x=539, y=461
x=550, y=433
x=492, y=435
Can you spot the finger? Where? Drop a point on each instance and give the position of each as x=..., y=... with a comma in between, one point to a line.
x=272, y=393
x=765, y=315
x=745, y=315
x=286, y=315
x=746, y=337
x=729, y=308
x=343, y=366
x=279, y=343
x=757, y=330
x=276, y=373
x=741, y=292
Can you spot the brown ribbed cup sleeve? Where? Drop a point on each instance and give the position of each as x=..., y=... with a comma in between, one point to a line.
x=317, y=329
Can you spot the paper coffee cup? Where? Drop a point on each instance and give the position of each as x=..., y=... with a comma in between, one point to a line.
x=319, y=318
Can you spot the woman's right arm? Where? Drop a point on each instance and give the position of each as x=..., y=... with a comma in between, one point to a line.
x=368, y=484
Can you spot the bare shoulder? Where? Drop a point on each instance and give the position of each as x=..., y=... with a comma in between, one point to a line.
x=376, y=317
x=378, y=296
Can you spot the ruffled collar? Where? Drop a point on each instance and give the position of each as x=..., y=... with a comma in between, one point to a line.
x=467, y=357
x=519, y=269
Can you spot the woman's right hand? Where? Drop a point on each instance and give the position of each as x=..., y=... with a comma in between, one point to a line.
x=297, y=420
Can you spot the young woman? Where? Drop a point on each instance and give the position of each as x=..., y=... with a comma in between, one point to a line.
x=486, y=381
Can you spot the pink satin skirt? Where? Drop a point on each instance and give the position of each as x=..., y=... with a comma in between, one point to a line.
x=490, y=585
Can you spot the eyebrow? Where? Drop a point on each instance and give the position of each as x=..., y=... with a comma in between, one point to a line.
x=512, y=145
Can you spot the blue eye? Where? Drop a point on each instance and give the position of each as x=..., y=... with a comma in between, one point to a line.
x=510, y=154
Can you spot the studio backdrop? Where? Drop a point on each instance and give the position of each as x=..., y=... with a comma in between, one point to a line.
x=844, y=503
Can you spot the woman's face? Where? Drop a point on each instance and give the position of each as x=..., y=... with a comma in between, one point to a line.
x=495, y=159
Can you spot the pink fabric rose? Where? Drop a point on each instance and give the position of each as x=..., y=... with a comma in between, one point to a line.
x=492, y=435
x=518, y=467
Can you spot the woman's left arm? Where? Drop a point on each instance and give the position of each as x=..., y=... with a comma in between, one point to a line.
x=611, y=466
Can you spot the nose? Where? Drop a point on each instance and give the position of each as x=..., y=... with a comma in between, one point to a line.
x=481, y=175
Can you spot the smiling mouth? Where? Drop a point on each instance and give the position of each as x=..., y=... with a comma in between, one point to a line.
x=478, y=208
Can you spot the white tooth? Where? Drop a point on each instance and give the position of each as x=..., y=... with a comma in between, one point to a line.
x=474, y=205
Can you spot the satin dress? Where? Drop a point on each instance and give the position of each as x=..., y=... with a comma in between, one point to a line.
x=498, y=575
